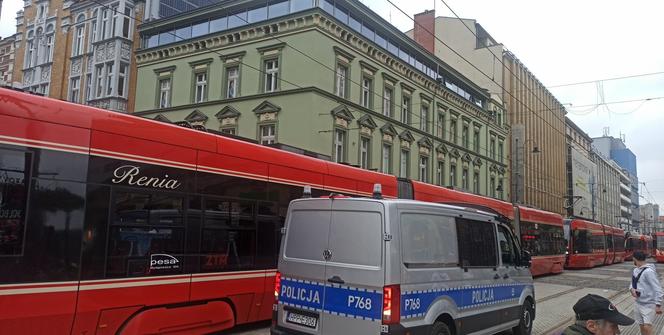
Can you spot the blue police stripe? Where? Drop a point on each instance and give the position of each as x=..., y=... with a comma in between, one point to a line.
x=417, y=303
x=339, y=300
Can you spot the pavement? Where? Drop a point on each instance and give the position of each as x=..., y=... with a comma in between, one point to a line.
x=556, y=294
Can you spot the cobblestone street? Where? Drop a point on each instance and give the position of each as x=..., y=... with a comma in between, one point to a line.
x=556, y=295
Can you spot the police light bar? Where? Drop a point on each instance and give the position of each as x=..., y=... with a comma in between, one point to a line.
x=377, y=191
x=307, y=192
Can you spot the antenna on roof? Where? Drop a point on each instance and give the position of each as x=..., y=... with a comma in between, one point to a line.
x=606, y=132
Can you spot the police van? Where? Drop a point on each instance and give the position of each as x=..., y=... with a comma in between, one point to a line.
x=376, y=266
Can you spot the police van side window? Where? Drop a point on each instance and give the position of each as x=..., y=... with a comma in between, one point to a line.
x=477, y=243
x=428, y=240
x=507, y=248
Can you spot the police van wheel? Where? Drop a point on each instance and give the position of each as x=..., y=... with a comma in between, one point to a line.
x=525, y=326
x=440, y=328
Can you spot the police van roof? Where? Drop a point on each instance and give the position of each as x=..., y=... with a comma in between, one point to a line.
x=403, y=201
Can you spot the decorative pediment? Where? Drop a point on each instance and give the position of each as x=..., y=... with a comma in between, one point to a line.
x=425, y=142
x=162, y=119
x=266, y=107
x=455, y=153
x=442, y=149
x=388, y=129
x=406, y=136
x=477, y=161
x=227, y=112
x=466, y=158
x=367, y=121
x=196, y=116
x=184, y=124
x=342, y=112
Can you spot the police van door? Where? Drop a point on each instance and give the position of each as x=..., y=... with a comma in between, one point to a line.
x=302, y=267
x=513, y=278
x=353, y=273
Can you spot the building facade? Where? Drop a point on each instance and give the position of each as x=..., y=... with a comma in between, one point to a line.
x=616, y=150
x=537, y=119
x=582, y=181
x=156, y=9
x=608, y=191
x=329, y=78
x=7, y=54
x=80, y=51
x=650, y=218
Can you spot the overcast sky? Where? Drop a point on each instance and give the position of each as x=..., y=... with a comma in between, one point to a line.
x=566, y=41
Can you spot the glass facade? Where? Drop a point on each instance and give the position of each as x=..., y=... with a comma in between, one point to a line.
x=273, y=9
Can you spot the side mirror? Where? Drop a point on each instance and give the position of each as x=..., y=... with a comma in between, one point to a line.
x=526, y=260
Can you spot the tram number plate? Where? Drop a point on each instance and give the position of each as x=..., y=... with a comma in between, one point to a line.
x=303, y=320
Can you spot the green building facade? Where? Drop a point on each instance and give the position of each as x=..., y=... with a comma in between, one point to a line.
x=331, y=79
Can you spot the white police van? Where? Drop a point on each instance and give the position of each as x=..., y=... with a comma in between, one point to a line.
x=374, y=266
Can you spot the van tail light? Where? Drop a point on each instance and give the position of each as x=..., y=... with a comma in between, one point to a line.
x=391, y=304
x=277, y=286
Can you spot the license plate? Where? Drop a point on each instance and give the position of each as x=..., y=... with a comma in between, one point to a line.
x=302, y=320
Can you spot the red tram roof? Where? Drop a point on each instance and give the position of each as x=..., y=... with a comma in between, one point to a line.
x=31, y=120
x=433, y=193
x=539, y=216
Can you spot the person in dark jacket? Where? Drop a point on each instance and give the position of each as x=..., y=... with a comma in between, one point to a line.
x=596, y=315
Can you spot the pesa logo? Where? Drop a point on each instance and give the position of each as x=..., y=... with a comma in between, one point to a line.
x=163, y=262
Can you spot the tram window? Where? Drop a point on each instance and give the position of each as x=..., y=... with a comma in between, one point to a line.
x=428, y=240
x=213, y=184
x=542, y=239
x=269, y=239
x=147, y=235
x=61, y=165
x=582, y=242
x=144, y=208
x=14, y=179
x=228, y=240
x=619, y=243
x=52, y=235
x=477, y=243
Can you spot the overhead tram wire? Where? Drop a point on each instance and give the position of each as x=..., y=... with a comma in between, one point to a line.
x=607, y=79
x=458, y=137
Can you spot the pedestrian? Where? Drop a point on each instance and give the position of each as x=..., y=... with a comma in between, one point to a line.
x=596, y=315
x=647, y=291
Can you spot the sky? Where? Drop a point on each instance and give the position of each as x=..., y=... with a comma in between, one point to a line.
x=561, y=42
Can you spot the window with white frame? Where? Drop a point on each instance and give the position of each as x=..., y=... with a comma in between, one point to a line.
x=500, y=151
x=404, y=162
x=114, y=22
x=122, y=79
x=476, y=140
x=453, y=131
x=367, y=84
x=104, y=24
x=110, y=71
x=476, y=182
x=424, y=169
x=126, y=23
x=492, y=148
x=99, y=75
x=500, y=188
x=440, y=173
x=232, y=81
x=492, y=186
x=424, y=117
x=464, y=179
x=271, y=68
x=93, y=29
x=464, y=136
x=228, y=130
x=165, y=92
x=341, y=77
x=387, y=101
x=405, y=109
x=339, y=145
x=440, y=125
x=365, y=145
x=453, y=175
x=268, y=133
x=386, y=166
x=29, y=51
x=88, y=87
x=74, y=89
x=48, y=50
x=79, y=36
x=200, y=87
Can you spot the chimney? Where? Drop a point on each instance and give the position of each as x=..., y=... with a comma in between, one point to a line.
x=424, y=29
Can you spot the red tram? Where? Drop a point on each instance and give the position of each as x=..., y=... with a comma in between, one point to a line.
x=541, y=232
x=658, y=246
x=618, y=240
x=637, y=242
x=587, y=244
